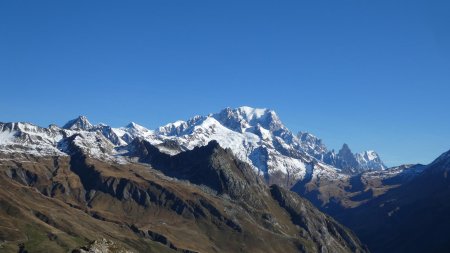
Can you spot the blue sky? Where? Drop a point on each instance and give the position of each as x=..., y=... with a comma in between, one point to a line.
x=373, y=74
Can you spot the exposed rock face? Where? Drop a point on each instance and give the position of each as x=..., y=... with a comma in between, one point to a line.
x=203, y=200
x=210, y=165
x=347, y=160
x=338, y=238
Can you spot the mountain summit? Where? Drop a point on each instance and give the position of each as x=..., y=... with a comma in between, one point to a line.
x=80, y=123
x=243, y=118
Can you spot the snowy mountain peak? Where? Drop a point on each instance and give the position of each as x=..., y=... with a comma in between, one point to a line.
x=252, y=113
x=28, y=138
x=80, y=123
x=370, y=160
x=133, y=125
x=242, y=118
x=181, y=127
x=312, y=144
x=344, y=159
x=20, y=126
x=131, y=131
x=259, y=137
x=305, y=136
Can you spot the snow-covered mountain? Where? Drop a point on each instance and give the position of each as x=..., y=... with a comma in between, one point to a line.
x=312, y=145
x=370, y=160
x=27, y=138
x=345, y=159
x=256, y=136
x=80, y=123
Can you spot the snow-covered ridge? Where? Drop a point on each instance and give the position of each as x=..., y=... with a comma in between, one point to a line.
x=28, y=138
x=370, y=160
x=256, y=136
x=344, y=159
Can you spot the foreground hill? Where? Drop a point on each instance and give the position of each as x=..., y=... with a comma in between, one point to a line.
x=200, y=200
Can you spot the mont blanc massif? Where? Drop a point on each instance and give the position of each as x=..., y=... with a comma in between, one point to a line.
x=234, y=181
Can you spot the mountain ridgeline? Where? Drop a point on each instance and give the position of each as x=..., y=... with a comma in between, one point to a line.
x=256, y=136
x=233, y=181
x=344, y=160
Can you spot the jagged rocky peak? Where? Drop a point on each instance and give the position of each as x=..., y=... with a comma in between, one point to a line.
x=352, y=163
x=345, y=150
x=133, y=130
x=344, y=159
x=347, y=160
x=80, y=123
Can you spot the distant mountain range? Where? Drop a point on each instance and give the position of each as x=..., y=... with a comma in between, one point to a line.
x=256, y=136
x=233, y=181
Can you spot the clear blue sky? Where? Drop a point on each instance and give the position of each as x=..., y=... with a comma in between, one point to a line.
x=373, y=74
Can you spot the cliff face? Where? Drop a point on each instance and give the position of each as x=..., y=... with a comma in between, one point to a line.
x=203, y=200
